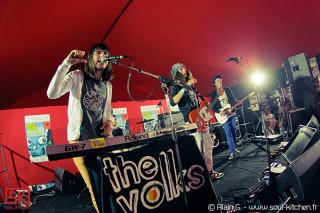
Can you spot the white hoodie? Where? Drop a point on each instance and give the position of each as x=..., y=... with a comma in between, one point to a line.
x=72, y=82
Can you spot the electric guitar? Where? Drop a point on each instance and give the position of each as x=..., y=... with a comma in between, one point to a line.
x=205, y=114
x=228, y=110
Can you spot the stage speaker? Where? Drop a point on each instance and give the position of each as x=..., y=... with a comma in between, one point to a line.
x=314, y=123
x=298, y=117
x=298, y=183
x=299, y=75
x=164, y=119
x=68, y=182
x=302, y=139
x=297, y=67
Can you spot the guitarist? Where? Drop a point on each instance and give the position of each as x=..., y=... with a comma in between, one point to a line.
x=187, y=101
x=226, y=96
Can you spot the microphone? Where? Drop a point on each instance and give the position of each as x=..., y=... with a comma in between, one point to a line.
x=236, y=59
x=111, y=58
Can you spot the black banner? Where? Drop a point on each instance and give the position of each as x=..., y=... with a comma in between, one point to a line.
x=147, y=179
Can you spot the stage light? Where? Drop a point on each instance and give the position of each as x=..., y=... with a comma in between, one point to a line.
x=258, y=78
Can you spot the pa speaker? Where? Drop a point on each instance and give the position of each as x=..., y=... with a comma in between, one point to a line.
x=68, y=182
x=298, y=183
x=297, y=67
x=299, y=74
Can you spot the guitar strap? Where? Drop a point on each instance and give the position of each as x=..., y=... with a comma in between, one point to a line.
x=201, y=97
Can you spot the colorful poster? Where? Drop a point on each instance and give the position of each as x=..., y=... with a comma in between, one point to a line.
x=150, y=117
x=38, y=135
x=122, y=120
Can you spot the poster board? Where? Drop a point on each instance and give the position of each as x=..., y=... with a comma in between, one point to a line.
x=122, y=119
x=38, y=136
x=150, y=113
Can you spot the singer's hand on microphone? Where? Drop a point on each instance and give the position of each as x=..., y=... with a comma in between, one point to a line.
x=75, y=57
x=192, y=81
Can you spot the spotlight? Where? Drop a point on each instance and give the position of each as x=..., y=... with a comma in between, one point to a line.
x=258, y=78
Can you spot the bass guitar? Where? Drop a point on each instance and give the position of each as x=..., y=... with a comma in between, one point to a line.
x=205, y=114
x=228, y=110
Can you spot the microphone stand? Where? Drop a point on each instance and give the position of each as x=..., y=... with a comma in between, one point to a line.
x=168, y=82
x=267, y=170
x=160, y=119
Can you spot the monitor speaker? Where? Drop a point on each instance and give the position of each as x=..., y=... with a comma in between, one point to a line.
x=68, y=182
x=298, y=183
x=314, y=123
x=302, y=139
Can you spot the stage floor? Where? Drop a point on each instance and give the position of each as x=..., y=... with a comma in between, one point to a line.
x=241, y=175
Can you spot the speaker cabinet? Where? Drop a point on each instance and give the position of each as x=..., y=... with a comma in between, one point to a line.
x=298, y=183
x=165, y=119
x=303, y=138
x=297, y=67
x=68, y=182
x=299, y=75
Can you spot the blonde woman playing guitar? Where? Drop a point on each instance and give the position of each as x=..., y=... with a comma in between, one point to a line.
x=226, y=99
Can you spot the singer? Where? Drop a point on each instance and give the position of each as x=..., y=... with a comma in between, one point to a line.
x=89, y=108
x=187, y=101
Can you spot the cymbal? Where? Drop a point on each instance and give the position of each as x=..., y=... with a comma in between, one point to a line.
x=144, y=121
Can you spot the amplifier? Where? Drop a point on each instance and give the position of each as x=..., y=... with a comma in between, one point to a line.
x=164, y=119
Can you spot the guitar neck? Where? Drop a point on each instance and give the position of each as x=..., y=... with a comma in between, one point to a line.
x=212, y=103
x=237, y=104
x=234, y=106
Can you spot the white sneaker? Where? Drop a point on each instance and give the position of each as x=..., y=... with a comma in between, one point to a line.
x=237, y=152
x=231, y=156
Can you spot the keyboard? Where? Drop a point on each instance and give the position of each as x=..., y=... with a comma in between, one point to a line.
x=103, y=145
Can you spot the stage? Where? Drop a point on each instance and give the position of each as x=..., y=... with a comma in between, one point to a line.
x=243, y=175
x=241, y=180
